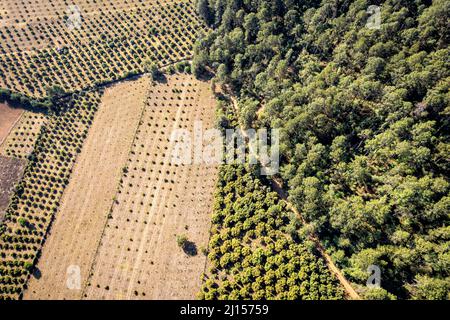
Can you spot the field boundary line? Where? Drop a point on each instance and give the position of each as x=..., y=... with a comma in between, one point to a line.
x=93, y=263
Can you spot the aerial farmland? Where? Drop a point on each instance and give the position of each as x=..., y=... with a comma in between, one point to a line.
x=135, y=137
x=108, y=130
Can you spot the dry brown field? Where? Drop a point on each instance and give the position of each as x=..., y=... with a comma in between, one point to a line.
x=139, y=257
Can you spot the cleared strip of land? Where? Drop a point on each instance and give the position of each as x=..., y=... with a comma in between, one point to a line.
x=77, y=229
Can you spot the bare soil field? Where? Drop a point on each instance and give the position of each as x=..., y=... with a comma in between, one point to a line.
x=85, y=205
x=22, y=137
x=139, y=257
x=11, y=171
x=8, y=118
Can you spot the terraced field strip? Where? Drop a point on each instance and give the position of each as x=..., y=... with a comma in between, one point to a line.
x=34, y=206
x=79, y=223
x=138, y=257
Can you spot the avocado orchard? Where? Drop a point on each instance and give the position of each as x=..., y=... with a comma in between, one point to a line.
x=37, y=197
x=110, y=44
x=251, y=254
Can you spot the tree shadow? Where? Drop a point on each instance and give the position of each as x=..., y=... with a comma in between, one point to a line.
x=190, y=248
x=31, y=226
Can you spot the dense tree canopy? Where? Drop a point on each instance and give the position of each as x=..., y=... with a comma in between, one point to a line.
x=364, y=115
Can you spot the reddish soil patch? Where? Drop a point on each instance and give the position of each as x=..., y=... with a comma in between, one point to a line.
x=8, y=117
x=11, y=171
